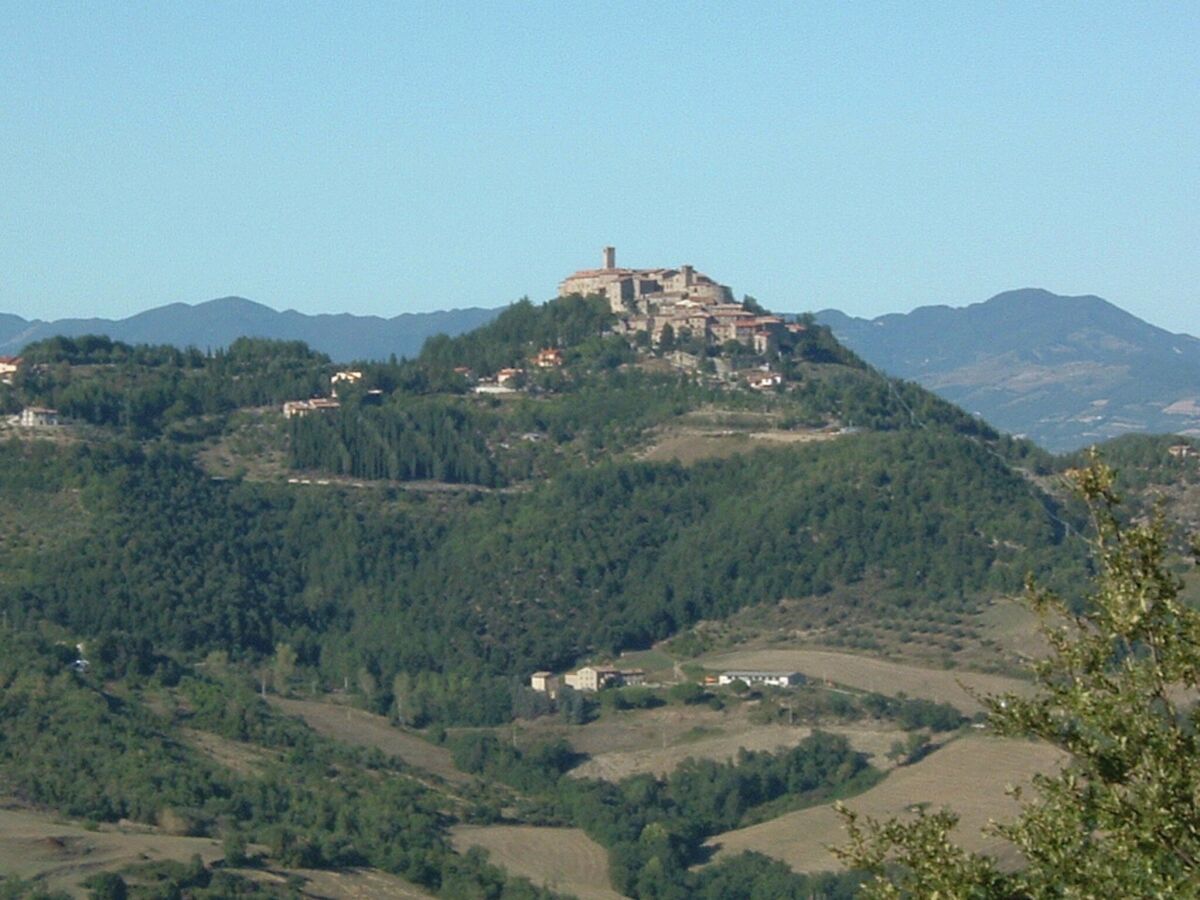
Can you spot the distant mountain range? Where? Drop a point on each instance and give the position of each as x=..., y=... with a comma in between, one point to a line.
x=217, y=323
x=1064, y=371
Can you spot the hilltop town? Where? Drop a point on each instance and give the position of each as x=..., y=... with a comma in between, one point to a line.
x=681, y=302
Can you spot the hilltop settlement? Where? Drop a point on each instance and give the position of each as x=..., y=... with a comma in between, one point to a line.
x=681, y=301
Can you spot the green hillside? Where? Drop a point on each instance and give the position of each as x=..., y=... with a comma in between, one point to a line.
x=588, y=550
x=423, y=545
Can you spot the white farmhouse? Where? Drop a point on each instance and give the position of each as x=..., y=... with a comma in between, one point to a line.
x=770, y=679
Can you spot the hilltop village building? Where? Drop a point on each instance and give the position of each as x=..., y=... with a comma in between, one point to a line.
x=8, y=368
x=688, y=302
x=347, y=377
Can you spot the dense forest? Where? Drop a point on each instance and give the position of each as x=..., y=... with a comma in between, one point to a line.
x=606, y=558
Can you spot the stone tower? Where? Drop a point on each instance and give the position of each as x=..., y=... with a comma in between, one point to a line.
x=610, y=258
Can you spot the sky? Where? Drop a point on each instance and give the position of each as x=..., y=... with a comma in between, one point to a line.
x=401, y=157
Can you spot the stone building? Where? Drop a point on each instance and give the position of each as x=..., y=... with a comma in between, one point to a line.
x=638, y=290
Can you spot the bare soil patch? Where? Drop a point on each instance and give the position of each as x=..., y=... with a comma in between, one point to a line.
x=562, y=859
x=969, y=775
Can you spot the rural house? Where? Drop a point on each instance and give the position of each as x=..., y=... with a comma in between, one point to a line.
x=38, y=417
x=770, y=679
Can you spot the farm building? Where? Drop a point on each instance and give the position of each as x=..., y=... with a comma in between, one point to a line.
x=303, y=407
x=545, y=683
x=595, y=678
x=509, y=377
x=770, y=679
x=550, y=358
x=38, y=417
x=591, y=678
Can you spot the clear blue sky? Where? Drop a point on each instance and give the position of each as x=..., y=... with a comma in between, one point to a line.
x=401, y=157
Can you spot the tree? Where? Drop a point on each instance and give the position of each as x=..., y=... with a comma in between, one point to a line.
x=108, y=886
x=666, y=340
x=1123, y=818
x=284, y=667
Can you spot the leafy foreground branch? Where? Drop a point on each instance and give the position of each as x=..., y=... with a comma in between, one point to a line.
x=1118, y=693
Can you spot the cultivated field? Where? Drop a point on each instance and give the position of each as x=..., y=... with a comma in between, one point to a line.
x=969, y=775
x=563, y=859
x=692, y=445
x=865, y=673
x=363, y=729
x=59, y=855
x=720, y=746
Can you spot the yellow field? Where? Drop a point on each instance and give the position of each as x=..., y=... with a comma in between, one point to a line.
x=563, y=859
x=355, y=726
x=870, y=674
x=968, y=775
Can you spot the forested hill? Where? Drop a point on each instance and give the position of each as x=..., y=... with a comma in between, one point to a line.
x=589, y=549
x=539, y=493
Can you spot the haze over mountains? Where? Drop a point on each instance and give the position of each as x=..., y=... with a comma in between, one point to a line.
x=1064, y=371
x=217, y=323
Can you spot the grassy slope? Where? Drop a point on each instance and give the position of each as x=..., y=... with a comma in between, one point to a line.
x=562, y=859
x=969, y=775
